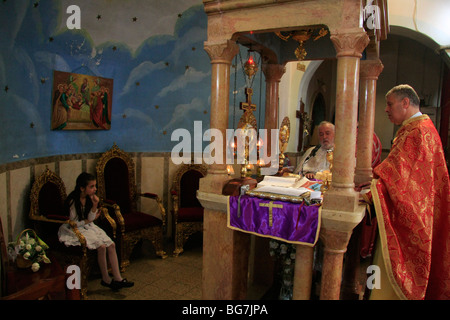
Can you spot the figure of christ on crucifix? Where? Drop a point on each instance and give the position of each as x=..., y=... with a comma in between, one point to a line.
x=301, y=115
x=248, y=120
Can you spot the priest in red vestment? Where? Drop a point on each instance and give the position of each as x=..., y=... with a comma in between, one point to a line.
x=410, y=192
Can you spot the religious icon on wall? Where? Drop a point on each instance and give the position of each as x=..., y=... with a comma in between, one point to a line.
x=81, y=102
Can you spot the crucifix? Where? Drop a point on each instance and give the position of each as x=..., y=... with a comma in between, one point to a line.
x=248, y=106
x=271, y=205
x=301, y=115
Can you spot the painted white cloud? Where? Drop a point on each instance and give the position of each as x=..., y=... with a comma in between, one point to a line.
x=182, y=112
x=190, y=76
x=141, y=71
x=138, y=114
x=52, y=61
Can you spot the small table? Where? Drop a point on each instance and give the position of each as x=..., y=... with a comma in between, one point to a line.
x=48, y=282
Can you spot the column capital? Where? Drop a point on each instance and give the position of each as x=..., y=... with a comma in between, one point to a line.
x=350, y=44
x=273, y=72
x=370, y=69
x=221, y=52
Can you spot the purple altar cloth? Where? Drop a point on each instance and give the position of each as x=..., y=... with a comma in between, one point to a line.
x=293, y=223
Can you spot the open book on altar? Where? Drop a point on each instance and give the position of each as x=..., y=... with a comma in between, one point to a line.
x=290, y=186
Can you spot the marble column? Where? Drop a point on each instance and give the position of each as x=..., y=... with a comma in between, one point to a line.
x=304, y=258
x=349, y=47
x=370, y=70
x=341, y=211
x=225, y=252
x=221, y=55
x=273, y=74
x=335, y=245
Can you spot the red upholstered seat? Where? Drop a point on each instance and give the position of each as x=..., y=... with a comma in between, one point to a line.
x=190, y=214
x=139, y=220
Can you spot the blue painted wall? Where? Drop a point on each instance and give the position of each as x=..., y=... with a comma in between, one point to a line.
x=160, y=84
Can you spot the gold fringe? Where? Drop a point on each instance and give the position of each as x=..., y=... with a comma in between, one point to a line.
x=383, y=239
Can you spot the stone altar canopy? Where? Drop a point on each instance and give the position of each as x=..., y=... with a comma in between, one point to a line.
x=225, y=252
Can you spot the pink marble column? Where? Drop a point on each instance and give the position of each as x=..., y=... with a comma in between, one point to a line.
x=370, y=70
x=221, y=55
x=225, y=252
x=304, y=258
x=349, y=47
x=340, y=210
x=335, y=245
x=273, y=74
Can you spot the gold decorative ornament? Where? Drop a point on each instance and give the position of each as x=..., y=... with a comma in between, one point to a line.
x=250, y=67
x=322, y=33
x=246, y=123
x=301, y=36
x=326, y=176
x=284, y=134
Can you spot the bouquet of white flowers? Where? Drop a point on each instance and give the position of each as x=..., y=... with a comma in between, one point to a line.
x=28, y=250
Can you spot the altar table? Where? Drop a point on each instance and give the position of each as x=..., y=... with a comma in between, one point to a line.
x=295, y=223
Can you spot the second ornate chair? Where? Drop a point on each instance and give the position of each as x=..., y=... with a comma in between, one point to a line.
x=117, y=188
x=187, y=210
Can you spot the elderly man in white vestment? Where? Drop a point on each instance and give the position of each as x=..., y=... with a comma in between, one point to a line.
x=315, y=158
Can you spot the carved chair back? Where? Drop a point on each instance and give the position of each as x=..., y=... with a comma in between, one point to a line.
x=116, y=179
x=47, y=197
x=186, y=184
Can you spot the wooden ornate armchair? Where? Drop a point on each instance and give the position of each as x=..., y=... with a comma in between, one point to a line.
x=47, y=214
x=118, y=191
x=187, y=210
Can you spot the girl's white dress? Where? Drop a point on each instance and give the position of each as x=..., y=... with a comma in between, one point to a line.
x=95, y=236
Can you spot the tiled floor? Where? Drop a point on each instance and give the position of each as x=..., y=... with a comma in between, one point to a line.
x=173, y=278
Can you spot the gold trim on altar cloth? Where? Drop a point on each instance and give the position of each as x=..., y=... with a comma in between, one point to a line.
x=279, y=197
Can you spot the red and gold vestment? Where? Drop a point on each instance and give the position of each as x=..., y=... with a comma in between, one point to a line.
x=410, y=192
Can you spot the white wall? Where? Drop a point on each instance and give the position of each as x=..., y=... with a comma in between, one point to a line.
x=430, y=17
x=290, y=101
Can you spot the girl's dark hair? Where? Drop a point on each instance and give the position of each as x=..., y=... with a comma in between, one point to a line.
x=74, y=197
